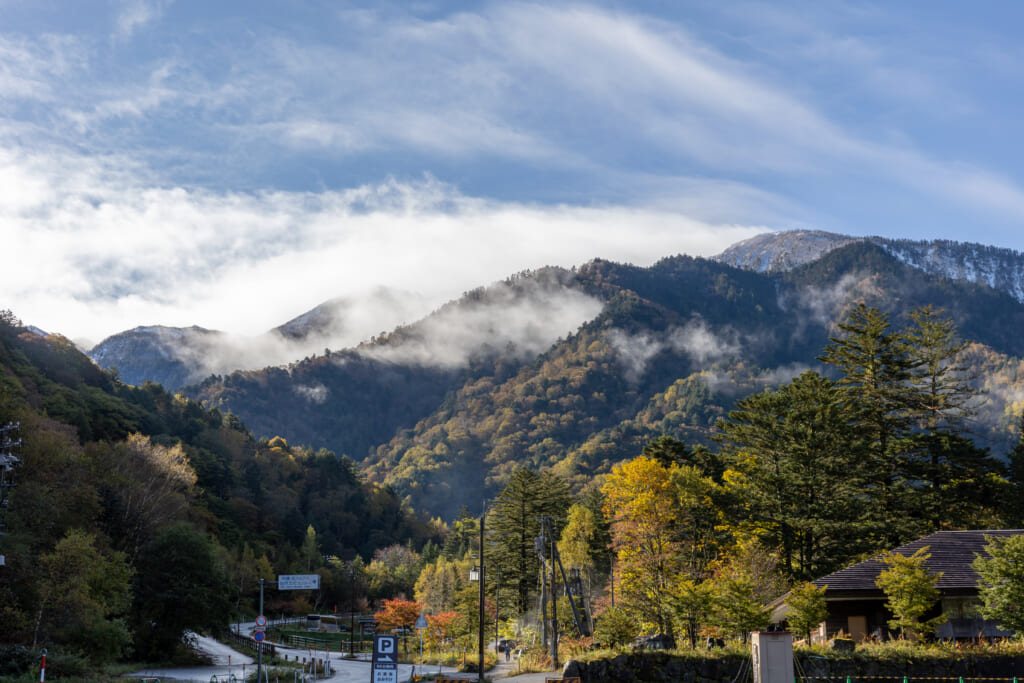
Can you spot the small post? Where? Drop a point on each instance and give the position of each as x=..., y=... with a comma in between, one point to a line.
x=42, y=669
x=259, y=646
x=497, y=609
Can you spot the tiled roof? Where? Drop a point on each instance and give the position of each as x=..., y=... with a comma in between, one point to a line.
x=951, y=553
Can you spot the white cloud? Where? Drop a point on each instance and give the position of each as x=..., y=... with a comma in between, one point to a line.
x=530, y=316
x=634, y=352
x=573, y=89
x=29, y=69
x=694, y=339
x=315, y=393
x=96, y=250
x=133, y=14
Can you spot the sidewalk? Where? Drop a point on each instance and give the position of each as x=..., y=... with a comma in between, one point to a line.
x=510, y=671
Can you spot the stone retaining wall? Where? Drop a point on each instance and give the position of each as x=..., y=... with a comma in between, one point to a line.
x=667, y=668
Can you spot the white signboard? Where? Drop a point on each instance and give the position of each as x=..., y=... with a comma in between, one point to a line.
x=297, y=582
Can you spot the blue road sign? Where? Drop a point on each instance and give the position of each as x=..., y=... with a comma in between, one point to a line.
x=384, y=668
x=291, y=582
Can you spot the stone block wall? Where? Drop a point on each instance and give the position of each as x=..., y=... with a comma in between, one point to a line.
x=668, y=668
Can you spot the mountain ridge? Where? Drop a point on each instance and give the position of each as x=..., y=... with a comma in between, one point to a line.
x=995, y=267
x=574, y=369
x=176, y=357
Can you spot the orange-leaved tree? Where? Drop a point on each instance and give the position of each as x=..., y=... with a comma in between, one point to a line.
x=398, y=614
x=441, y=627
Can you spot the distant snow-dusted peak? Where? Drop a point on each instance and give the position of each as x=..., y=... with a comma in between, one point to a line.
x=780, y=251
x=1000, y=269
x=995, y=267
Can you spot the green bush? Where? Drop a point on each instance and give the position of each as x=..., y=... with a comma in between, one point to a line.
x=67, y=665
x=17, y=659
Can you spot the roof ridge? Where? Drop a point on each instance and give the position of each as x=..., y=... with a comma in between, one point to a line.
x=950, y=554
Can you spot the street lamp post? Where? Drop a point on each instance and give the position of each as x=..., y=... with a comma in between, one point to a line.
x=481, y=638
x=477, y=574
x=351, y=610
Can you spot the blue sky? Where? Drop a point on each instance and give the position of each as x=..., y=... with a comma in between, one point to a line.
x=232, y=164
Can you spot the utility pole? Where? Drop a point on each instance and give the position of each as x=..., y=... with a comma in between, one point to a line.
x=554, y=602
x=539, y=547
x=548, y=535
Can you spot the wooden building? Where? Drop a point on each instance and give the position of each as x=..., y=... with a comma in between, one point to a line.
x=856, y=605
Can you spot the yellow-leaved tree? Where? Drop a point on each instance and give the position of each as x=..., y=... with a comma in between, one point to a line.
x=641, y=505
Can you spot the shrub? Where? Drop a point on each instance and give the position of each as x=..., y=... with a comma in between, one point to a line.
x=17, y=659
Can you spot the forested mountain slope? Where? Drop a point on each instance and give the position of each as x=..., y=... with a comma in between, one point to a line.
x=671, y=349
x=676, y=345
x=577, y=369
x=130, y=480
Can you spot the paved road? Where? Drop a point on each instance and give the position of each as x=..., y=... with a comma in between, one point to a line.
x=343, y=670
x=227, y=661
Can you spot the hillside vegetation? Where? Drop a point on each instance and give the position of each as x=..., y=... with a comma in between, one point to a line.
x=137, y=514
x=672, y=349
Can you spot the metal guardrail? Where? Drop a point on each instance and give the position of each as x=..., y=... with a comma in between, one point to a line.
x=336, y=645
x=248, y=642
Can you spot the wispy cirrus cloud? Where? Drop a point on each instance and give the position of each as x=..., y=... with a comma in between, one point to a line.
x=133, y=14
x=530, y=84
